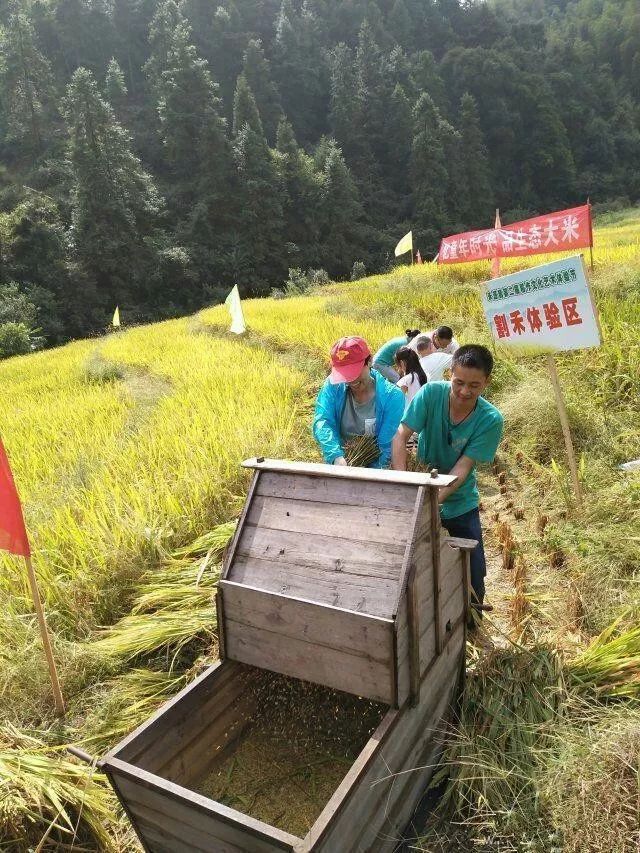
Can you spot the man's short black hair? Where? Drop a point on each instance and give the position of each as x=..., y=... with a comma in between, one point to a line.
x=444, y=332
x=474, y=355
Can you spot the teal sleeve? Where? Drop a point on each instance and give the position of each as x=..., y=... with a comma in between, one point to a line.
x=483, y=445
x=391, y=418
x=326, y=429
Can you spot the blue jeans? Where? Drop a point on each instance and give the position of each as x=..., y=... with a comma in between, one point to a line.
x=467, y=526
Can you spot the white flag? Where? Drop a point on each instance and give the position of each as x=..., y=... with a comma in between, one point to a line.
x=238, y=326
x=405, y=245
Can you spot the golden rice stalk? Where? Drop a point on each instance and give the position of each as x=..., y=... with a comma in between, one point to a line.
x=361, y=451
x=42, y=791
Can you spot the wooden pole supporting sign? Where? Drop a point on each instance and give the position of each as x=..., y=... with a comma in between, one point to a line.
x=566, y=430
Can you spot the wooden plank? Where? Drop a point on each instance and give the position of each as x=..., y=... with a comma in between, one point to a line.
x=335, y=588
x=435, y=556
x=220, y=623
x=310, y=662
x=230, y=551
x=168, y=741
x=317, y=624
x=358, y=806
x=363, y=524
x=302, y=487
x=151, y=789
x=175, y=710
x=452, y=598
x=327, y=645
x=462, y=544
x=327, y=553
x=408, y=593
x=381, y=475
x=175, y=822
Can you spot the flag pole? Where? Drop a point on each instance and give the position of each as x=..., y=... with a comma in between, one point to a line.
x=590, y=234
x=46, y=642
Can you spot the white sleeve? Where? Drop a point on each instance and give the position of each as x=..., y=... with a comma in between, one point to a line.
x=404, y=381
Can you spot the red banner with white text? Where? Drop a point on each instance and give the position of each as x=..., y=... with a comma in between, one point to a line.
x=562, y=231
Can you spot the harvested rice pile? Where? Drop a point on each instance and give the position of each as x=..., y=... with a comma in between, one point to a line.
x=298, y=746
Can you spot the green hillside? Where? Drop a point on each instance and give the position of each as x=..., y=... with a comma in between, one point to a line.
x=126, y=452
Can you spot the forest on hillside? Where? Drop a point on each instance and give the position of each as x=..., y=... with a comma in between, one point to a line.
x=155, y=152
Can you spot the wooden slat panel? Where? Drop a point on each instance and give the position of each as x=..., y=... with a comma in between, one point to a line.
x=339, y=648
x=230, y=550
x=337, y=589
x=301, y=487
x=177, y=710
x=196, y=734
x=181, y=827
x=345, y=472
x=452, y=599
x=324, y=553
x=317, y=624
x=182, y=811
x=357, y=523
x=355, y=817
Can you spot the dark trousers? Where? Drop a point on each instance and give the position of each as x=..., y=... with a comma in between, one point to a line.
x=467, y=526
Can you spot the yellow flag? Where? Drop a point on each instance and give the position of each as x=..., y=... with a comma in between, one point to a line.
x=238, y=326
x=116, y=317
x=405, y=245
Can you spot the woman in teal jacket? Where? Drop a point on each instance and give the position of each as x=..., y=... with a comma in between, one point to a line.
x=356, y=400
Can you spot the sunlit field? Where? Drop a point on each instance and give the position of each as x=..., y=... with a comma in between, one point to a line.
x=126, y=453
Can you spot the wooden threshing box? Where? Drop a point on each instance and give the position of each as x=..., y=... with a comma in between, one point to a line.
x=338, y=576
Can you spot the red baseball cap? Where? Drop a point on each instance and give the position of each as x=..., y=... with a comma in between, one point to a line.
x=348, y=356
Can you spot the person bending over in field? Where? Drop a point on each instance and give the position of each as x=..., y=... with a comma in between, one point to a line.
x=383, y=359
x=457, y=428
x=412, y=376
x=356, y=401
x=440, y=340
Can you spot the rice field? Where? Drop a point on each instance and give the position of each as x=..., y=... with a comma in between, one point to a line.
x=126, y=452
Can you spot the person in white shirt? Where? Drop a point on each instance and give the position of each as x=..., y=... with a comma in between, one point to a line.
x=412, y=376
x=440, y=340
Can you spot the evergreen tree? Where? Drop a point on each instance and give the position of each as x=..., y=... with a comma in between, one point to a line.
x=115, y=87
x=25, y=82
x=258, y=257
x=398, y=146
x=166, y=21
x=299, y=69
x=115, y=207
x=429, y=176
x=301, y=185
x=256, y=70
x=475, y=166
x=341, y=237
x=345, y=114
x=245, y=111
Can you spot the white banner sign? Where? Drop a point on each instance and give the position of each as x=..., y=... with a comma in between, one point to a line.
x=549, y=306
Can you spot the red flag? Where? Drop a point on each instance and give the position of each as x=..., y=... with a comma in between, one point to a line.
x=495, y=263
x=13, y=535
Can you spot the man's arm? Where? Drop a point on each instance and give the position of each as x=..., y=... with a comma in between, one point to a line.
x=461, y=471
x=399, y=448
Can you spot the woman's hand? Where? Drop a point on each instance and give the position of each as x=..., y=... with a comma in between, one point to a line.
x=340, y=460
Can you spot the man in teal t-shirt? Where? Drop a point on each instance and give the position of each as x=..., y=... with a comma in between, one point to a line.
x=457, y=427
x=384, y=359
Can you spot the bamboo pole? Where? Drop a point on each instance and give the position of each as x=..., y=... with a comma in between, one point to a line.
x=566, y=430
x=46, y=642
